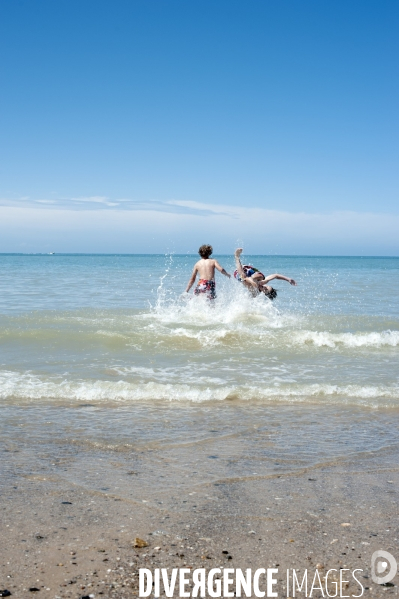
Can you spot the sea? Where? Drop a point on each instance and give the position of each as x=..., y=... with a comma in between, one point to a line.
x=105, y=355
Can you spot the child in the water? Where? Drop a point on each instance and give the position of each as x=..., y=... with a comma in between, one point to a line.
x=205, y=268
x=254, y=280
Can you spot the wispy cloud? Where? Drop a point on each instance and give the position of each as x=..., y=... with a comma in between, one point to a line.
x=98, y=223
x=210, y=209
x=105, y=203
x=97, y=200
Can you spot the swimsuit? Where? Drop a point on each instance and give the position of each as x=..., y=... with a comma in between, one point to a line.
x=207, y=287
x=249, y=271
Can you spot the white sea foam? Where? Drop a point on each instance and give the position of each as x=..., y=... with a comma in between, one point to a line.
x=234, y=319
x=350, y=340
x=27, y=386
x=231, y=308
x=113, y=334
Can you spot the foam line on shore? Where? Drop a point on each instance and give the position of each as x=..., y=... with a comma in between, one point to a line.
x=30, y=387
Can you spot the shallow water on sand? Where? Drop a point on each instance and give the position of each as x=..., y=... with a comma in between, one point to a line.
x=141, y=451
x=113, y=333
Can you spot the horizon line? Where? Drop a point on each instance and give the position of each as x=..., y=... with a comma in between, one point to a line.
x=193, y=254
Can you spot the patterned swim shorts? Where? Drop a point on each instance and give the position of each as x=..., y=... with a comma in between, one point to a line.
x=206, y=287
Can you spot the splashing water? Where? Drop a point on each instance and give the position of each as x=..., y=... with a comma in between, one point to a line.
x=318, y=343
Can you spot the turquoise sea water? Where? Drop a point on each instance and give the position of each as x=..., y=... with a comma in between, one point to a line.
x=114, y=329
x=101, y=352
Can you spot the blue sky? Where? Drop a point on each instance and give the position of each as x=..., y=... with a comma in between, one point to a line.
x=157, y=125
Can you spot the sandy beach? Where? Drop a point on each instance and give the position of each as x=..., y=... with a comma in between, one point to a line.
x=63, y=540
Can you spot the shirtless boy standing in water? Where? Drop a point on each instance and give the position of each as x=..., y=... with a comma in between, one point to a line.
x=206, y=270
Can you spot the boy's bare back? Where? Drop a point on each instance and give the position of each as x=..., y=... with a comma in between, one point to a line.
x=206, y=268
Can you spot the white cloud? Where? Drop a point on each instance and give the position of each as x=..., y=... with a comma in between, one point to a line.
x=96, y=224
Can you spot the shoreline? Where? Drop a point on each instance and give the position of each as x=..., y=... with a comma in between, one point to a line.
x=293, y=519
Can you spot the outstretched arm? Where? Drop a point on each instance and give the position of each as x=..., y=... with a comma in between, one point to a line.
x=247, y=281
x=277, y=276
x=221, y=269
x=239, y=267
x=192, y=279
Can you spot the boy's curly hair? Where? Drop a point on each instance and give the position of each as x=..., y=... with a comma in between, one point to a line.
x=205, y=251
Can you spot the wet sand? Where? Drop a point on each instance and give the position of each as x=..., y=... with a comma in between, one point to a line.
x=67, y=541
x=241, y=436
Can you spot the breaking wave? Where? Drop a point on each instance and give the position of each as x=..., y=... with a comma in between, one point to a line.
x=350, y=340
x=31, y=387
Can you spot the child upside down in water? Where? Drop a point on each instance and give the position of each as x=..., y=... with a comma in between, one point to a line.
x=206, y=270
x=254, y=280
